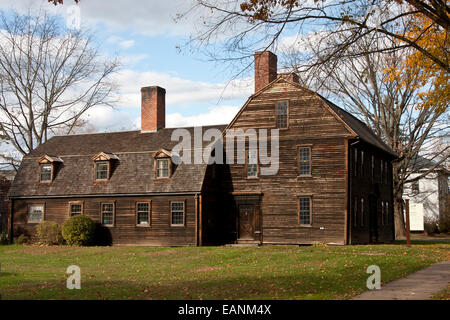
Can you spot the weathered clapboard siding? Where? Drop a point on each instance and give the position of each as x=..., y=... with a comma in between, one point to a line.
x=125, y=231
x=311, y=124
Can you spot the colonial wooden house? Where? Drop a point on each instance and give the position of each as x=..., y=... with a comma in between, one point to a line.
x=333, y=185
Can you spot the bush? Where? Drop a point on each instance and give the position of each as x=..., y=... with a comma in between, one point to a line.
x=22, y=239
x=3, y=238
x=430, y=225
x=79, y=231
x=49, y=232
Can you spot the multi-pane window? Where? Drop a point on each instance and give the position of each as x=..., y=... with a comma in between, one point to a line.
x=162, y=168
x=386, y=211
x=177, y=213
x=362, y=163
x=362, y=212
x=304, y=211
x=282, y=114
x=35, y=213
x=381, y=171
x=101, y=170
x=252, y=163
x=386, y=175
x=355, y=212
x=46, y=173
x=415, y=187
x=383, y=216
x=305, y=161
x=143, y=213
x=108, y=214
x=75, y=209
x=356, y=162
x=373, y=167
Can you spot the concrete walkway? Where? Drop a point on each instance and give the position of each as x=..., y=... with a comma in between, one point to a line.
x=417, y=286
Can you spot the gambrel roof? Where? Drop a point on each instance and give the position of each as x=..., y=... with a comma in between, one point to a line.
x=132, y=173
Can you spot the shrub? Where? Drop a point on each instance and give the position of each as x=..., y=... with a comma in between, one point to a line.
x=49, y=232
x=3, y=238
x=430, y=225
x=22, y=239
x=79, y=230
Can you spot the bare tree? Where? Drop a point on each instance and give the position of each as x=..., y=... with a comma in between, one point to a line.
x=49, y=77
x=232, y=29
x=366, y=88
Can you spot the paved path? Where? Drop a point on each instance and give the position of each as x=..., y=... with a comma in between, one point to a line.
x=417, y=286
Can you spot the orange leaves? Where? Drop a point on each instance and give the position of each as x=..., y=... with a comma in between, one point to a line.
x=420, y=72
x=263, y=9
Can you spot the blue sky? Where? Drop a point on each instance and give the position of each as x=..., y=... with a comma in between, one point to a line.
x=145, y=38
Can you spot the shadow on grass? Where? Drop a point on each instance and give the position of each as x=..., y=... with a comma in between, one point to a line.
x=423, y=242
x=249, y=287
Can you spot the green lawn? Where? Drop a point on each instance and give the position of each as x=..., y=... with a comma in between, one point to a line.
x=268, y=272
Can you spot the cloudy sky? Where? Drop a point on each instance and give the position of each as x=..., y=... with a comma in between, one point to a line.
x=146, y=37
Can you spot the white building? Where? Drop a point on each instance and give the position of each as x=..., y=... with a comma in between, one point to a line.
x=426, y=195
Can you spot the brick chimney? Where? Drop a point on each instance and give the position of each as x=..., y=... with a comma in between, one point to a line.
x=153, y=109
x=292, y=77
x=265, y=69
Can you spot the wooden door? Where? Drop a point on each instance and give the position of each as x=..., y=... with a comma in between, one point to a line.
x=246, y=222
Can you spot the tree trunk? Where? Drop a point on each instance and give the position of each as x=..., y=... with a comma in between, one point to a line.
x=399, y=221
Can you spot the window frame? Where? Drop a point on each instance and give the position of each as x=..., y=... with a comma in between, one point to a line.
x=247, y=153
x=362, y=164
x=41, y=165
x=29, y=205
x=310, y=199
x=75, y=203
x=287, y=115
x=113, y=213
x=362, y=224
x=108, y=169
x=149, y=220
x=415, y=187
x=169, y=167
x=171, y=214
x=299, y=160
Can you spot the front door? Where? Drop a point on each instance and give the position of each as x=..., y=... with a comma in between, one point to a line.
x=246, y=222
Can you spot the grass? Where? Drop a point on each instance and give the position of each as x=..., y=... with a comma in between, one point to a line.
x=444, y=294
x=268, y=272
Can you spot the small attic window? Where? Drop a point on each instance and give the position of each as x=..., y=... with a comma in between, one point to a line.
x=163, y=164
x=102, y=170
x=103, y=164
x=46, y=172
x=47, y=168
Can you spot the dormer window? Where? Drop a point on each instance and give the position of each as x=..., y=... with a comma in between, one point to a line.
x=162, y=168
x=102, y=170
x=103, y=165
x=46, y=173
x=163, y=164
x=47, y=168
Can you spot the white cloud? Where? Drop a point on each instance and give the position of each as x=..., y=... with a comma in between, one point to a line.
x=179, y=92
x=121, y=42
x=215, y=115
x=143, y=17
x=106, y=119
